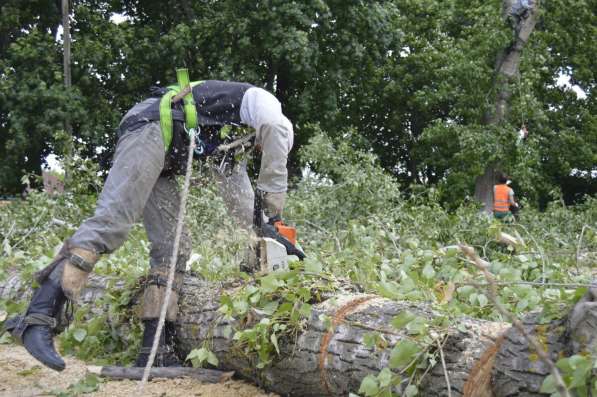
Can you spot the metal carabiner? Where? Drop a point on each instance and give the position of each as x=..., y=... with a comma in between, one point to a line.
x=195, y=133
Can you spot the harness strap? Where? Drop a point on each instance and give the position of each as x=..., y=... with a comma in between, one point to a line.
x=156, y=279
x=190, y=111
x=166, y=118
x=17, y=325
x=79, y=262
x=133, y=122
x=161, y=281
x=183, y=90
x=40, y=319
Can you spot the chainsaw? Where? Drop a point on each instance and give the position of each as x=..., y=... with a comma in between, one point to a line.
x=276, y=241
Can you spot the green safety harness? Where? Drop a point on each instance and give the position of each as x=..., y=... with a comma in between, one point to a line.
x=182, y=91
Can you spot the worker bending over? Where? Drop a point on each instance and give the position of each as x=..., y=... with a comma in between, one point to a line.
x=152, y=148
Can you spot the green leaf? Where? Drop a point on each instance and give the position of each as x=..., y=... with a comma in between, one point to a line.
x=428, y=271
x=411, y=391
x=284, y=308
x=402, y=319
x=212, y=359
x=88, y=384
x=255, y=298
x=251, y=289
x=227, y=331
x=6, y=338
x=305, y=310
x=465, y=291
x=403, y=353
x=274, y=339
x=270, y=307
x=304, y=293
x=270, y=283
x=482, y=299
x=313, y=266
x=412, y=243
x=199, y=356
x=417, y=326
x=31, y=371
x=240, y=305
x=79, y=334
x=326, y=320
x=369, y=386
x=384, y=377
x=389, y=289
x=549, y=385
x=370, y=339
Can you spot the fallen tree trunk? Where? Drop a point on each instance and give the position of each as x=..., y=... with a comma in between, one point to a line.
x=333, y=361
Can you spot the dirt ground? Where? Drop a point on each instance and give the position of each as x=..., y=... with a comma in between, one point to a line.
x=22, y=376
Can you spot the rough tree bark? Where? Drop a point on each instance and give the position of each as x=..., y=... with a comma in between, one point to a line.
x=506, y=71
x=333, y=362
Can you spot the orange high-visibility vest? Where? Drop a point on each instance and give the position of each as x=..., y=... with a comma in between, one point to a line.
x=501, y=198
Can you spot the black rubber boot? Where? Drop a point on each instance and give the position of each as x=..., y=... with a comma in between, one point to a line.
x=170, y=333
x=165, y=356
x=36, y=327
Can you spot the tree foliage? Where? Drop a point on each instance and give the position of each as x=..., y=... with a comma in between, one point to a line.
x=414, y=78
x=358, y=230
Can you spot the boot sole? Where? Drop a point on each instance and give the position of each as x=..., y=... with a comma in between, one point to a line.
x=55, y=367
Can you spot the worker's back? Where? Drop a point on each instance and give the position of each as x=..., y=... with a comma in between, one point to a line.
x=501, y=200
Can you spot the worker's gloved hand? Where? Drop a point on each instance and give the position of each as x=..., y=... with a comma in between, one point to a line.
x=283, y=234
x=273, y=203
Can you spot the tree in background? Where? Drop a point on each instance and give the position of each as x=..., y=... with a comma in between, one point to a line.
x=414, y=80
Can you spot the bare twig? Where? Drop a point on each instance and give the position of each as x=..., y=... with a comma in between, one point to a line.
x=441, y=356
x=392, y=239
x=32, y=230
x=61, y=223
x=582, y=232
x=483, y=266
x=239, y=142
x=533, y=283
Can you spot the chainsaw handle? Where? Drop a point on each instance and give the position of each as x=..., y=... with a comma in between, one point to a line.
x=268, y=230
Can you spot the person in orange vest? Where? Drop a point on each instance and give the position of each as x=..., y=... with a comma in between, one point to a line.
x=503, y=198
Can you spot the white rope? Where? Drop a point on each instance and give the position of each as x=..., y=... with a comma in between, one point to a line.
x=179, y=224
